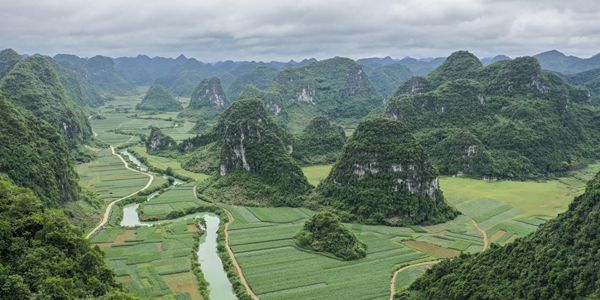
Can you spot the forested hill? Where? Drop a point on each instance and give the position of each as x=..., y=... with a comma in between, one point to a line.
x=34, y=154
x=33, y=84
x=509, y=119
x=559, y=261
x=43, y=256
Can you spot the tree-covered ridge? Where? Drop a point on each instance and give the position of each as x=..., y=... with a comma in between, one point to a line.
x=81, y=90
x=384, y=176
x=254, y=160
x=319, y=142
x=261, y=77
x=158, y=98
x=34, y=85
x=34, y=154
x=559, y=261
x=8, y=59
x=100, y=71
x=43, y=256
x=324, y=232
x=509, y=119
x=385, y=74
x=208, y=93
x=337, y=88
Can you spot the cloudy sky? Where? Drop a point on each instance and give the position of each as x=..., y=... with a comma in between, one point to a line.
x=212, y=30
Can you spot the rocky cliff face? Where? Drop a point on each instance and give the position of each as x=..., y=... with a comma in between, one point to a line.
x=158, y=141
x=384, y=176
x=254, y=158
x=209, y=93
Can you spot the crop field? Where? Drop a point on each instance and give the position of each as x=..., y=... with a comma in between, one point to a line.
x=262, y=239
x=166, y=162
x=108, y=177
x=153, y=262
x=315, y=174
x=176, y=198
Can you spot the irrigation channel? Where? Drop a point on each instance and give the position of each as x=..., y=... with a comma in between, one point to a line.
x=210, y=263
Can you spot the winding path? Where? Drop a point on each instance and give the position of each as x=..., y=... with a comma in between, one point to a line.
x=110, y=205
x=486, y=243
x=238, y=269
x=393, y=282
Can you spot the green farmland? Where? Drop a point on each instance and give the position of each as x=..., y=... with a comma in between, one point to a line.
x=179, y=198
x=153, y=262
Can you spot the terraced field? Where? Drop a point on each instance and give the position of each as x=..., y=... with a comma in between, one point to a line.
x=179, y=198
x=262, y=241
x=108, y=177
x=153, y=262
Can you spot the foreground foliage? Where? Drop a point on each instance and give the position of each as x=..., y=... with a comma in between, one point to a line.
x=45, y=257
x=559, y=261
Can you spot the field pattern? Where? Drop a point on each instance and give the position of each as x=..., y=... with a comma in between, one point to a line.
x=165, y=162
x=153, y=262
x=177, y=198
x=109, y=179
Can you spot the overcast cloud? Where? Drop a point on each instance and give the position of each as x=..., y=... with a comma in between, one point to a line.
x=213, y=30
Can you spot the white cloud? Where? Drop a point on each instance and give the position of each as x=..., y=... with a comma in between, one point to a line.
x=282, y=29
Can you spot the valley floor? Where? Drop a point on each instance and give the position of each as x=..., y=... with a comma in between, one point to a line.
x=155, y=261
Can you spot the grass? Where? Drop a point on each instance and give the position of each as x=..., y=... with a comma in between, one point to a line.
x=315, y=174
x=153, y=262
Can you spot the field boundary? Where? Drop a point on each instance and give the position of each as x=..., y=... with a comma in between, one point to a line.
x=395, y=276
x=486, y=242
x=108, y=210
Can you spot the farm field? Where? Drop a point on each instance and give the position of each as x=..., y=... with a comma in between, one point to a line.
x=165, y=162
x=109, y=179
x=178, y=198
x=153, y=262
x=262, y=238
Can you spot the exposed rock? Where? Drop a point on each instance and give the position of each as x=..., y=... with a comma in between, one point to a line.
x=158, y=141
x=384, y=176
x=209, y=93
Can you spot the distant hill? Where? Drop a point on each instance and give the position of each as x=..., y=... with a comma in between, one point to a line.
x=320, y=142
x=509, y=119
x=99, y=71
x=559, y=261
x=34, y=84
x=385, y=74
x=486, y=61
x=557, y=61
x=385, y=177
x=261, y=77
x=589, y=80
x=158, y=98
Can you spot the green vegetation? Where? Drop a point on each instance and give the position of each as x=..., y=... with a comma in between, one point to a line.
x=261, y=77
x=314, y=174
x=8, y=59
x=157, y=141
x=34, y=155
x=507, y=120
x=324, y=232
x=100, y=71
x=34, y=85
x=254, y=162
x=559, y=261
x=164, y=163
x=158, y=98
x=173, y=203
x=386, y=75
x=337, y=88
x=208, y=94
x=384, y=176
x=320, y=142
x=44, y=256
x=154, y=262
